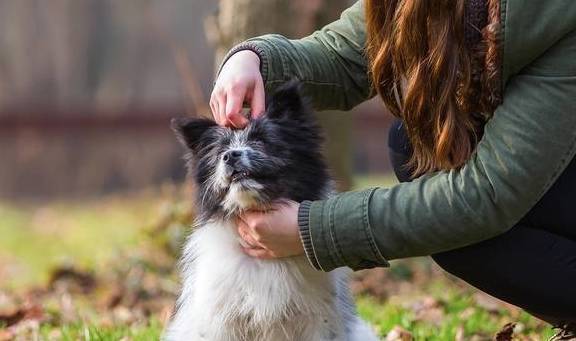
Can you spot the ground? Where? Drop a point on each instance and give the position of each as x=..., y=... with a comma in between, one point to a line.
x=103, y=269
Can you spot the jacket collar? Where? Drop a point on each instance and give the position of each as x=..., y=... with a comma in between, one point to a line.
x=529, y=28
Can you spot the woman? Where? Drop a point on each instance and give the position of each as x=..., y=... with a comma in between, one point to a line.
x=486, y=94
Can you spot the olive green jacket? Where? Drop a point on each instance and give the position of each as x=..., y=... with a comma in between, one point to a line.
x=526, y=145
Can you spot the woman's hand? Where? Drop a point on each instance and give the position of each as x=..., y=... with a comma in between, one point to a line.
x=273, y=233
x=239, y=82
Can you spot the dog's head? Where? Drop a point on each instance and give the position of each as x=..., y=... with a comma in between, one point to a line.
x=276, y=156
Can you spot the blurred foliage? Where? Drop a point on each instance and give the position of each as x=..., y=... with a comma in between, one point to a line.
x=99, y=53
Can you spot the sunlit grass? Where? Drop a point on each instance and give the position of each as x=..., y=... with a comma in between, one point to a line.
x=74, y=332
x=88, y=234
x=462, y=316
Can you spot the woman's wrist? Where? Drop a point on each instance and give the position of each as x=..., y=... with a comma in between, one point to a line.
x=304, y=228
x=248, y=48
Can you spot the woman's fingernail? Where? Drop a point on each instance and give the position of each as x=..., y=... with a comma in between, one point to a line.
x=242, y=242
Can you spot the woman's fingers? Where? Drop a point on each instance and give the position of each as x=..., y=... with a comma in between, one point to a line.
x=233, y=111
x=258, y=253
x=239, y=81
x=257, y=104
x=249, y=244
x=222, y=107
x=215, y=103
x=275, y=230
x=246, y=236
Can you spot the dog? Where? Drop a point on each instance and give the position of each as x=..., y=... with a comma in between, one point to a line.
x=228, y=295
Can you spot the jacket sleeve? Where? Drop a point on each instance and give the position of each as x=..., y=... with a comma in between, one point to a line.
x=330, y=62
x=526, y=145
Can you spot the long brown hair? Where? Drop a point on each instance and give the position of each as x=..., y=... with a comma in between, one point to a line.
x=426, y=73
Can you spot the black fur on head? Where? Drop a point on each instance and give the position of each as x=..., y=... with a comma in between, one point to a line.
x=276, y=156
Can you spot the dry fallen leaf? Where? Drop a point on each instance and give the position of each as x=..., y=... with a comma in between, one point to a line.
x=399, y=334
x=72, y=280
x=506, y=333
x=466, y=313
x=24, y=313
x=460, y=334
x=429, y=310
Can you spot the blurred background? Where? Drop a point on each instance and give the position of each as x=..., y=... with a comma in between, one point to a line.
x=93, y=204
x=87, y=89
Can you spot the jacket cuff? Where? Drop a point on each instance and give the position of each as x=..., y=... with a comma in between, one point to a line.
x=303, y=218
x=251, y=46
x=340, y=232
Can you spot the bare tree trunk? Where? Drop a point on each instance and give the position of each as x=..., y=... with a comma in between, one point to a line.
x=238, y=20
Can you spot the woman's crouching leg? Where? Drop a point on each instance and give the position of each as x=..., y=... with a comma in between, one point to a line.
x=530, y=268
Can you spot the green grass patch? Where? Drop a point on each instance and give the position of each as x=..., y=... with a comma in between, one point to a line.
x=89, y=234
x=87, y=332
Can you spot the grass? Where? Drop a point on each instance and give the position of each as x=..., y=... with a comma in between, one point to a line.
x=91, y=234
x=87, y=234
x=88, y=332
x=463, y=316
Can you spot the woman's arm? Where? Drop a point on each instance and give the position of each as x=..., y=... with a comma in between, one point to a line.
x=330, y=62
x=525, y=147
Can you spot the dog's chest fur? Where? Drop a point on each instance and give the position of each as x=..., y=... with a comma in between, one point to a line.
x=231, y=296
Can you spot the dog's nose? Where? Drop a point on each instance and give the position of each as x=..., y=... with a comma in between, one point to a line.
x=231, y=156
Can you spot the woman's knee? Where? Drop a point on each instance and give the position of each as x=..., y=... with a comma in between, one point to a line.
x=454, y=263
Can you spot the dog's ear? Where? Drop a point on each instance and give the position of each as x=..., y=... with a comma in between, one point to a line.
x=287, y=102
x=193, y=132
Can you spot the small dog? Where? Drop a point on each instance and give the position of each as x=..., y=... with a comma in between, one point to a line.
x=226, y=294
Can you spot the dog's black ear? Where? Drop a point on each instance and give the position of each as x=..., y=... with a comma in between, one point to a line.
x=193, y=132
x=287, y=101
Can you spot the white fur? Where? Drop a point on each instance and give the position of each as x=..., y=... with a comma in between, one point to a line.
x=228, y=295
x=241, y=197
